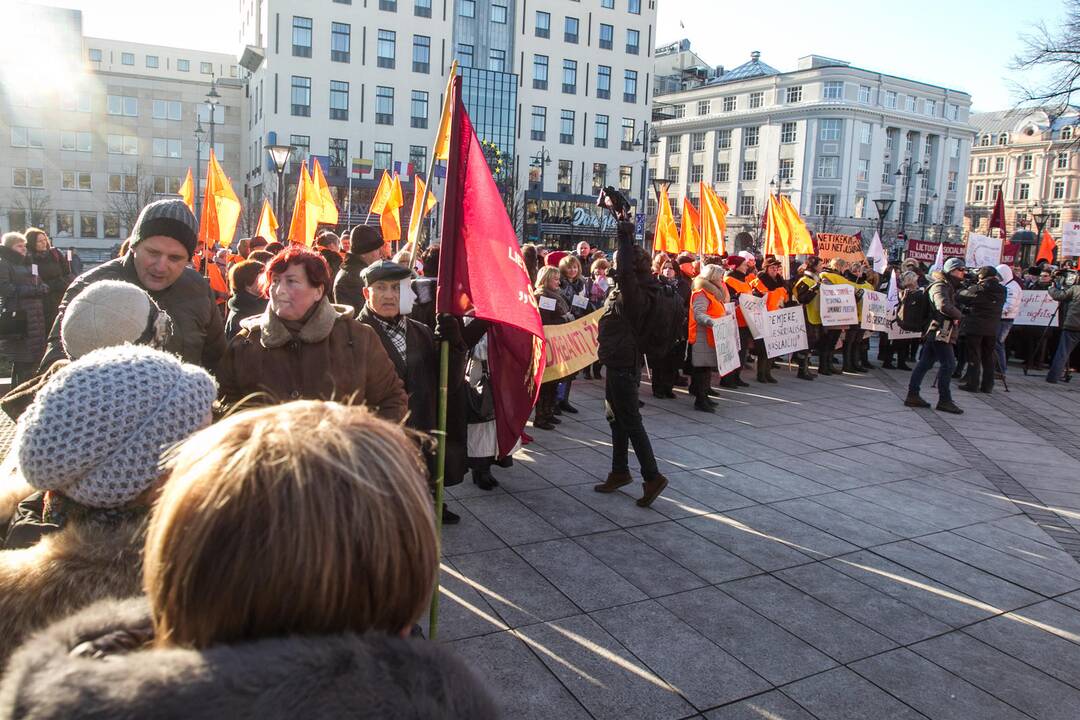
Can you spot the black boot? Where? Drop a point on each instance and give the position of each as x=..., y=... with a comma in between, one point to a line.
x=484, y=480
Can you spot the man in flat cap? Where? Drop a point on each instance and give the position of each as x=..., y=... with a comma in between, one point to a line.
x=366, y=247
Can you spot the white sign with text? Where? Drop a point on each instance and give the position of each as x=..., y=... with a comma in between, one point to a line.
x=875, y=311
x=982, y=251
x=753, y=310
x=838, y=306
x=785, y=331
x=1070, y=240
x=1036, y=308
x=726, y=338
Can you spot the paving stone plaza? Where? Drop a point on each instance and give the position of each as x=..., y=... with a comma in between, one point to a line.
x=821, y=552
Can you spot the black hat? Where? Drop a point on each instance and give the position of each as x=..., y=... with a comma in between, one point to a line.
x=365, y=238
x=384, y=270
x=171, y=218
x=987, y=271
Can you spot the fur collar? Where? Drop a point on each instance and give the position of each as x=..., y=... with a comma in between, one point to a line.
x=316, y=677
x=273, y=333
x=700, y=283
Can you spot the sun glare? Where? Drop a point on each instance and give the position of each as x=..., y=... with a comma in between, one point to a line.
x=40, y=53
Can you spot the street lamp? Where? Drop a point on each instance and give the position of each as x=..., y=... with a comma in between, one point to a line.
x=1041, y=216
x=905, y=206
x=883, y=206
x=279, y=154
x=199, y=133
x=211, y=101
x=540, y=160
x=776, y=185
x=647, y=147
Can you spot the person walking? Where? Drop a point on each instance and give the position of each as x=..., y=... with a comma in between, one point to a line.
x=940, y=338
x=22, y=295
x=707, y=302
x=983, y=302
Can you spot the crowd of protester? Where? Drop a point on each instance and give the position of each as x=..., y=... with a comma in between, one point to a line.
x=194, y=426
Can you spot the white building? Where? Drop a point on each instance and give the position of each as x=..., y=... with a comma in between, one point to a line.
x=92, y=129
x=833, y=137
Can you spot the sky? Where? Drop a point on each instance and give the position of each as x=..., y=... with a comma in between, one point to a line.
x=960, y=44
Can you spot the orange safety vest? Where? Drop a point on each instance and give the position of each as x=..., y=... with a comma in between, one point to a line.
x=774, y=299
x=715, y=309
x=739, y=286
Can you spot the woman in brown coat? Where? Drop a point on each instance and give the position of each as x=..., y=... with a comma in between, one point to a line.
x=304, y=347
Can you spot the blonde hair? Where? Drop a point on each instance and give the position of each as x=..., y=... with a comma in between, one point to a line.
x=305, y=518
x=11, y=239
x=542, y=276
x=567, y=261
x=713, y=274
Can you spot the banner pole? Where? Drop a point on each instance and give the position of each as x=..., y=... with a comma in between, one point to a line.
x=440, y=471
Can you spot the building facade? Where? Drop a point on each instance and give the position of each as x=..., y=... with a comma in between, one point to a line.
x=106, y=127
x=832, y=136
x=1031, y=157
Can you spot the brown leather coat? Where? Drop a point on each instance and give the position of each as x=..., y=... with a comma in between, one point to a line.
x=333, y=357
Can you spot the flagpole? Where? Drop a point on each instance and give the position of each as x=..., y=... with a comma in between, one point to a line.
x=348, y=201
x=423, y=207
x=440, y=471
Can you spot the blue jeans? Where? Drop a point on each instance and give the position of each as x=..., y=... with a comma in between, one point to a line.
x=932, y=352
x=1066, y=343
x=999, y=349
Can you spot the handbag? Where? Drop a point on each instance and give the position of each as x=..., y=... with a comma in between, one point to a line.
x=12, y=322
x=481, y=399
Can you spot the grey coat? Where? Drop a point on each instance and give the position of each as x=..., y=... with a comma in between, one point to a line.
x=702, y=354
x=111, y=674
x=1070, y=312
x=21, y=291
x=945, y=325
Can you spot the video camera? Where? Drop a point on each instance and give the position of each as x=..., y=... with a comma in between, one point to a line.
x=615, y=201
x=1066, y=278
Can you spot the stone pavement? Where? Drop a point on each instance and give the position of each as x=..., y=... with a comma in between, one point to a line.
x=821, y=552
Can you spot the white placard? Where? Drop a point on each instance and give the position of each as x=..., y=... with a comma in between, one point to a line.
x=729, y=308
x=726, y=338
x=982, y=250
x=33, y=269
x=580, y=301
x=785, y=331
x=1036, y=308
x=838, y=306
x=547, y=303
x=753, y=311
x=875, y=311
x=898, y=333
x=1070, y=240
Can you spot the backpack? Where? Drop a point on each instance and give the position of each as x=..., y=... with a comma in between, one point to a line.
x=663, y=322
x=915, y=311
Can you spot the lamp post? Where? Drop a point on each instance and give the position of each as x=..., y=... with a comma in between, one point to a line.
x=900, y=172
x=199, y=133
x=211, y=101
x=279, y=154
x=541, y=160
x=646, y=141
x=776, y=185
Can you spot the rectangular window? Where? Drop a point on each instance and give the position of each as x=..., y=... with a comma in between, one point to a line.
x=890, y=98
x=498, y=14
x=757, y=99
x=673, y=173
x=626, y=177
x=634, y=6
x=1063, y=161
x=865, y=133
x=338, y=149
x=301, y=96
x=387, y=48
x=167, y=110
x=730, y=103
x=865, y=94
x=339, y=100
x=565, y=176
x=1024, y=191
x=122, y=105
x=603, y=82
x=543, y=24
x=789, y=132
x=723, y=139
x=468, y=8
x=384, y=105
x=465, y=55
x=824, y=204
x=930, y=107
x=1055, y=220
x=697, y=141
x=674, y=144
x=301, y=145
x=627, y=142
x=418, y=156
x=569, y=77
x=540, y=72
x=152, y=61
x=980, y=192
x=833, y=90
x=388, y=5
x=864, y=170
x=183, y=65
x=633, y=41
x=27, y=137
x=703, y=107
x=794, y=94
x=830, y=129
x=206, y=68
x=421, y=54
x=566, y=127
x=384, y=153
x=599, y=176
x=630, y=86
x=301, y=36
x=746, y=205
x=951, y=187
x=601, y=139
x=539, y=123
x=1026, y=163
x=697, y=173
x=749, y=170
x=607, y=36
x=828, y=166
x=95, y=55
x=723, y=173
x=65, y=223
x=981, y=165
x=750, y=136
x=127, y=58
x=88, y=225
x=909, y=103
x=422, y=8
x=419, y=109
x=999, y=164
x=340, y=42
x=570, y=29
x=496, y=60
x=112, y=225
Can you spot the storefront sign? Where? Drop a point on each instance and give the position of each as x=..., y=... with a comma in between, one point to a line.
x=571, y=347
x=785, y=331
x=593, y=218
x=845, y=247
x=1036, y=308
x=838, y=306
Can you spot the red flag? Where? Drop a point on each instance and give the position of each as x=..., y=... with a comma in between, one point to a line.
x=481, y=273
x=997, y=219
x=1046, y=248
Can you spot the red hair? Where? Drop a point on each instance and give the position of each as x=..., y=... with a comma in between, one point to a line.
x=314, y=264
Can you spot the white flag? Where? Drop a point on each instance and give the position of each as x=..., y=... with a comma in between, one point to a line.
x=894, y=289
x=939, y=261
x=877, y=254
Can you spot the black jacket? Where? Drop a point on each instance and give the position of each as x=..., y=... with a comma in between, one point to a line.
x=419, y=371
x=333, y=259
x=242, y=305
x=348, y=286
x=982, y=302
x=622, y=326
x=20, y=290
x=55, y=273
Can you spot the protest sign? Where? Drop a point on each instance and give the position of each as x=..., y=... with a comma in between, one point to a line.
x=898, y=333
x=726, y=338
x=571, y=346
x=838, y=305
x=753, y=311
x=927, y=251
x=1070, y=240
x=875, y=311
x=835, y=245
x=982, y=250
x=785, y=331
x=1036, y=308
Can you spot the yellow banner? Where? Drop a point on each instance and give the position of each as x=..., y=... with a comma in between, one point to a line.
x=571, y=347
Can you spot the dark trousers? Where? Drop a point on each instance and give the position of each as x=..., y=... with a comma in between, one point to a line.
x=826, y=346
x=624, y=417
x=700, y=380
x=980, y=359
x=1066, y=343
x=932, y=352
x=665, y=370
x=545, y=402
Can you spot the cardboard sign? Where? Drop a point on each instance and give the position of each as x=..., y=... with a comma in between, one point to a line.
x=875, y=311
x=33, y=269
x=546, y=303
x=838, y=306
x=898, y=333
x=927, y=251
x=580, y=301
x=1036, y=308
x=726, y=338
x=982, y=250
x=1070, y=240
x=571, y=346
x=785, y=331
x=834, y=245
x=753, y=310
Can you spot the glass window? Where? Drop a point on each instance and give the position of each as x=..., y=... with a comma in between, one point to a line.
x=166, y=110
x=981, y=165
x=697, y=173
x=788, y=132
x=634, y=6
x=88, y=224
x=419, y=109
x=566, y=127
x=122, y=105
x=865, y=92
x=703, y=107
x=833, y=90
x=569, y=76
x=387, y=48
x=340, y=42
x=603, y=82
x=628, y=126
x=697, y=141
x=384, y=105
x=539, y=122
x=909, y=103
x=301, y=96
x=468, y=8
x=601, y=138
x=890, y=98
x=794, y=94
x=127, y=58
x=1024, y=191
x=498, y=14
x=999, y=164
x=730, y=103
x=607, y=36
x=339, y=151
x=723, y=139
x=421, y=54
x=828, y=166
x=496, y=60
x=864, y=170
x=626, y=176
x=599, y=176
x=674, y=144
x=757, y=99
x=746, y=205
x=339, y=100
x=865, y=133
x=67, y=140
x=1026, y=163
x=750, y=136
x=206, y=68
x=543, y=24
x=388, y=5
x=570, y=30
x=633, y=41
x=980, y=192
x=1062, y=160
x=540, y=72
x=930, y=107
x=749, y=170
x=112, y=225
x=630, y=86
x=787, y=169
x=465, y=55
x=418, y=157
x=830, y=129
x=422, y=8
x=383, y=155
x=723, y=173
x=183, y=65
x=95, y=55
x=152, y=61
x=673, y=174
x=65, y=223
x=301, y=36
x=566, y=174
x=301, y=145
x=824, y=204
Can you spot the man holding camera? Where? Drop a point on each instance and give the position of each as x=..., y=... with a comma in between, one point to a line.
x=981, y=302
x=1066, y=291
x=940, y=337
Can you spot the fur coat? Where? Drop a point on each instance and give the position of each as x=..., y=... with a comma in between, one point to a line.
x=96, y=665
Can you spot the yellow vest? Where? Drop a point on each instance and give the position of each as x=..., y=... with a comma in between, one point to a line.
x=813, y=308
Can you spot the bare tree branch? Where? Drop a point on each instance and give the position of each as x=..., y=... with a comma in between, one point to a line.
x=1055, y=53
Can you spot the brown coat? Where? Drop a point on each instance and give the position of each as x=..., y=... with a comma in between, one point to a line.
x=334, y=357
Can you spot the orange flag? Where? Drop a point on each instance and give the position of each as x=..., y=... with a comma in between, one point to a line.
x=329, y=213
x=221, y=207
x=690, y=233
x=777, y=233
x=420, y=208
x=305, y=217
x=713, y=222
x=268, y=223
x=441, y=150
x=1046, y=248
x=800, y=241
x=390, y=218
x=666, y=235
x=187, y=192
x=382, y=194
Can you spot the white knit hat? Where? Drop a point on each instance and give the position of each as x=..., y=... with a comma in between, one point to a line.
x=95, y=433
x=107, y=313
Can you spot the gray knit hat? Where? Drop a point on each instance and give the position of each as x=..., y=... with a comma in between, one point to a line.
x=111, y=312
x=170, y=217
x=95, y=433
